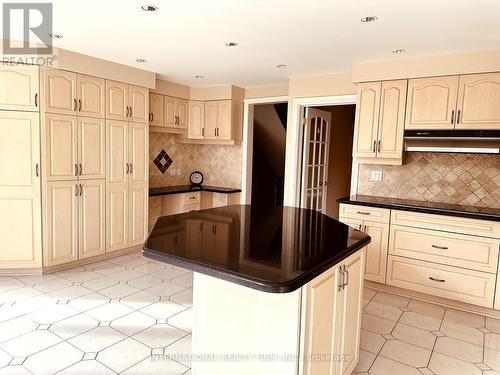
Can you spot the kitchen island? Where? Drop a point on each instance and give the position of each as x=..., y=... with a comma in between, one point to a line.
x=276, y=291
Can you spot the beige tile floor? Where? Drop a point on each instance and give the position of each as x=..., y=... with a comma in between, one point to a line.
x=132, y=315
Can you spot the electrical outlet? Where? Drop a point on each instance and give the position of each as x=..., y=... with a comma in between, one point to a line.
x=178, y=171
x=376, y=176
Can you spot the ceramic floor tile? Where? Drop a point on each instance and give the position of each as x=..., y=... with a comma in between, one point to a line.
x=366, y=359
x=415, y=336
x=4, y=358
x=79, y=276
x=97, y=339
x=14, y=370
x=407, y=354
x=87, y=367
x=464, y=318
x=180, y=350
x=493, y=325
x=385, y=366
x=368, y=293
x=51, y=285
x=145, y=281
x=123, y=355
x=159, y=336
x=383, y=311
x=427, y=309
x=30, y=343
x=73, y=326
x=168, y=274
x=492, y=358
x=371, y=342
x=165, y=289
x=459, y=349
x=420, y=321
x=107, y=268
x=391, y=299
x=109, y=311
x=139, y=300
x=376, y=324
x=53, y=359
x=88, y=302
x=164, y=367
x=461, y=332
x=16, y=327
x=119, y=291
x=163, y=309
x=182, y=320
x=133, y=323
x=53, y=314
x=444, y=365
x=184, y=298
x=185, y=280
x=101, y=283
x=150, y=268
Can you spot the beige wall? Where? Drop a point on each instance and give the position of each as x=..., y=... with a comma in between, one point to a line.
x=266, y=91
x=324, y=85
x=198, y=93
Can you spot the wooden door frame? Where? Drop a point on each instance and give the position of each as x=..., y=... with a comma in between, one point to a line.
x=293, y=156
x=248, y=119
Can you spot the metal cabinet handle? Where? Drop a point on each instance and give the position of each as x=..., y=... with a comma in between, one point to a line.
x=81, y=169
x=131, y=168
x=37, y=170
x=76, y=190
x=453, y=116
x=128, y=168
x=341, y=284
x=126, y=111
x=36, y=100
x=131, y=112
x=79, y=105
x=379, y=147
x=437, y=280
x=75, y=106
x=440, y=247
x=202, y=132
x=364, y=213
x=346, y=271
x=374, y=145
x=458, y=116
x=364, y=229
x=76, y=169
x=81, y=190
x=359, y=227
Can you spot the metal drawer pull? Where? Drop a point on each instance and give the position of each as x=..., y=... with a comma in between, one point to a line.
x=341, y=284
x=437, y=280
x=364, y=213
x=440, y=247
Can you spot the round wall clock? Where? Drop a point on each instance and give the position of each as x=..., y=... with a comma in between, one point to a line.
x=196, y=178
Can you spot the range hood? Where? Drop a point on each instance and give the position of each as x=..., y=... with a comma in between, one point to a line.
x=461, y=141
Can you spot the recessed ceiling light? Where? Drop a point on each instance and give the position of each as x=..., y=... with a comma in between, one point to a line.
x=199, y=76
x=369, y=19
x=231, y=44
x=149, y=8
x=399, y=50
x=56, y=36
x=141, y=60
x=281, y=66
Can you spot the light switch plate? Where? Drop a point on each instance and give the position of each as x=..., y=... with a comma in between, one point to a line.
x=376, y=176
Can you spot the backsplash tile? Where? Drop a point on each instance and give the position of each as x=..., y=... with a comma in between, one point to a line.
x=220, y=165
x=466, y=179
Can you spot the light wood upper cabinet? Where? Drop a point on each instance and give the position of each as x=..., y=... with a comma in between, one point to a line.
x=92, y=216
x=211, y=113
x=431, y=103
x=181, y=111
x=138, y=99
x=90, y=95
x=478, y=104
x=196, y=120
x=392, y=120
x=60, y=91
x=170, y=117
x=61, y=222
x=224, y=119
x=367, y=119
x=19, y=87
x=157, y=109
x=20, y=210
x=138, y=152
x=117, y=101
x=60, y=143
x=91, y=148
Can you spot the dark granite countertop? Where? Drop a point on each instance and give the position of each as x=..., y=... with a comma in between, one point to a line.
x=275, y=250
x=189, y=188
x=484, y=213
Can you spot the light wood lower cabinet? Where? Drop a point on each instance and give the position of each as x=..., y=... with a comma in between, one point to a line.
x=20, y=207
x=117, y=212
x=440, y=280
x=332, y=317
x=92, y=218
x=20, y=87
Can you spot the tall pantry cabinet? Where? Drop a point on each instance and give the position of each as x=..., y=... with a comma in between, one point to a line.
x=54, y=151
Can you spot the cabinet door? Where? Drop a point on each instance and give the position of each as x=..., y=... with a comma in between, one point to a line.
x=376, y=251
x=61, y=224
x=116, y=100
x=60, y=147
x=193, y=238
x=138, y=101
x=181, y=111
x=20, y=217
x=353, y=223
x=431, y=103
x=479, y=102
x=156, y=107
x=170, y=117
x=90, y=94
x=19, y=87
x=211, y=111
x=60, y=91
x=367, y=118
x=92, y=209
x=221, y=243
x=117, y=211
x=320, y=331
x=196, y=119
x=207, y=240
x=224, y=119
x=91, y=148
x=117, y=151
x=353, y=304
x=392, y=120
x=138, y=213
x=138, y=152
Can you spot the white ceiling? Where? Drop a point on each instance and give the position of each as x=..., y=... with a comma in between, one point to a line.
x=186, y=37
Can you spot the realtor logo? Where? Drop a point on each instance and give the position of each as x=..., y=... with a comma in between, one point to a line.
x=27, y=28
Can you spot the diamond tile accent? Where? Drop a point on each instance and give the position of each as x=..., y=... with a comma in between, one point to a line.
x=484, y=330
x=89, y=356
x=162, y=161
x=482, y=366
x=438, y=333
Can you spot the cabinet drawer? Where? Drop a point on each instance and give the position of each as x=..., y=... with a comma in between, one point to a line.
x=476, y=253
x=192, y=197
x=447, y=223
x=375, y=214
x=191, y=207
x=443, y=281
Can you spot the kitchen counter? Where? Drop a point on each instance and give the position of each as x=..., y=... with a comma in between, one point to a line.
x=484, y=213
x=153, y=192
x=270, y=251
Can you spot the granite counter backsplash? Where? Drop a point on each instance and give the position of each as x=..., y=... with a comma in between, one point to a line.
x=465, y=179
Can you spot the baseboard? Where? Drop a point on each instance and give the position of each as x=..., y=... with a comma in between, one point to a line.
x=21, y=271
x=434, y=299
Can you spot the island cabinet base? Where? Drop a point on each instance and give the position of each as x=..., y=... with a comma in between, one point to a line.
x=312, y=330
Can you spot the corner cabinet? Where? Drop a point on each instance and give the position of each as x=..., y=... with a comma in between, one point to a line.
x=379, y=125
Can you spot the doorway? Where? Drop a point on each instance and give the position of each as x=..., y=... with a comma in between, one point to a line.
x=327, y=142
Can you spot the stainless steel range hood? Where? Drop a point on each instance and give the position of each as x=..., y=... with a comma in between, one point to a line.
x=460, y=141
